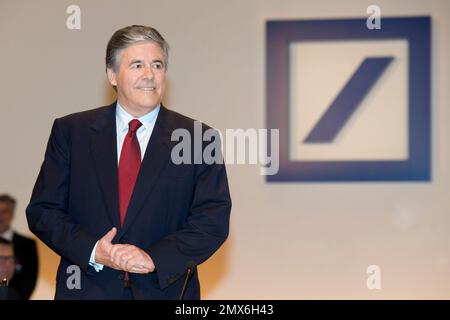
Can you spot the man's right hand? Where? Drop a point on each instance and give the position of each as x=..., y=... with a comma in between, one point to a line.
x=104, y=247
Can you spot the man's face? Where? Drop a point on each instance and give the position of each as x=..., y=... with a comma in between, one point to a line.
x=140, y=77
x=6, y=216
x=7, y=263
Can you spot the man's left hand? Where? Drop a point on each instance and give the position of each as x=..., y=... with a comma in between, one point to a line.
x=131, y=258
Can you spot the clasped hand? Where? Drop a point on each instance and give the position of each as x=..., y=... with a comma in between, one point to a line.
x=125, y=257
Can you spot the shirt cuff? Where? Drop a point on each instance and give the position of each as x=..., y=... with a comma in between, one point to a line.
x=97, y=266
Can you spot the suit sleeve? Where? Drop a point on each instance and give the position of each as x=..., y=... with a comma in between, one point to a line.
x=204, y=231
x=47, y=213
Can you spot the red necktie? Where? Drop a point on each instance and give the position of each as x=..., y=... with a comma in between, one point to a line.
x=129, y=165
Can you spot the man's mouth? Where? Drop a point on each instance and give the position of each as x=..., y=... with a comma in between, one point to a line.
x=147, y=88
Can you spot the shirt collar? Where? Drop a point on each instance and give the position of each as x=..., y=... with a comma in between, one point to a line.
x=123, y=118
x=8, y=234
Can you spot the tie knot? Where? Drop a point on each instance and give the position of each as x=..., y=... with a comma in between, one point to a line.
x=133, y=125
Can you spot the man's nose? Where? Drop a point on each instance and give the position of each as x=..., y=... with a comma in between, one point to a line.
x=148, y=72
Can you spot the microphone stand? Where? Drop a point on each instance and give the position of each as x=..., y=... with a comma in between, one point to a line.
x=189, y=270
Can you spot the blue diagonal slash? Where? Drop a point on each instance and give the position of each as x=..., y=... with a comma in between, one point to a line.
x=348, y=100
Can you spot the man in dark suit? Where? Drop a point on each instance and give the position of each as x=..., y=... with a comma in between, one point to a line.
x=7, y=269
x=26, y=258
x=127, y=221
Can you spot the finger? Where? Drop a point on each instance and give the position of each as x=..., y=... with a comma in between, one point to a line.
x=117, y=249
x=138, y=263
x=139, y=270
x=125, y=260
x=116, y=267
x=122, y=250
x=109, y=236
x=118, y=258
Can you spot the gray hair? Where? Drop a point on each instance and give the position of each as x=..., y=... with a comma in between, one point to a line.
x=127, y=36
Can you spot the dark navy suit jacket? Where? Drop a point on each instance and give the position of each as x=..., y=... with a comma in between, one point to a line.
x=25, y=277
x=178, y=214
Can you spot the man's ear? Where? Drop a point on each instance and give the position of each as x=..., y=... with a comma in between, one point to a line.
x=111, y=76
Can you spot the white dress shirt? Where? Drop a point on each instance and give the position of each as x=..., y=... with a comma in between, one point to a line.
x=8, y=234
x=143, y=134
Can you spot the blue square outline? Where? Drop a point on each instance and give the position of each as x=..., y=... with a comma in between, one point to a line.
x=417, y=31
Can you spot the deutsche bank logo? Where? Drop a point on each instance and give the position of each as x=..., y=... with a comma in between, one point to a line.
x=350, y=103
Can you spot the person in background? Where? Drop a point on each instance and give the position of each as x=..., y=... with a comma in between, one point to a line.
x=25, y=251
x=7, y=269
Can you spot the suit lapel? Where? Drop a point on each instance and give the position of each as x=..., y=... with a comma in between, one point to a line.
x=156, y=157
x=104, y=153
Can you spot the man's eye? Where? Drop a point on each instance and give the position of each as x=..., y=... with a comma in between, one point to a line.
x=157, y=65
x=136, y=65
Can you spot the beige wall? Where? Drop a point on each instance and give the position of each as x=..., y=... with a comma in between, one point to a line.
x=293, y=241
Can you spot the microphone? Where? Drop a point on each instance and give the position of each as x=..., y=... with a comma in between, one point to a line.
x=4, y=282
x=190, y=267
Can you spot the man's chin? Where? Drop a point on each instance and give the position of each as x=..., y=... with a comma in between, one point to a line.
x=141, y=105
x=149, y=105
